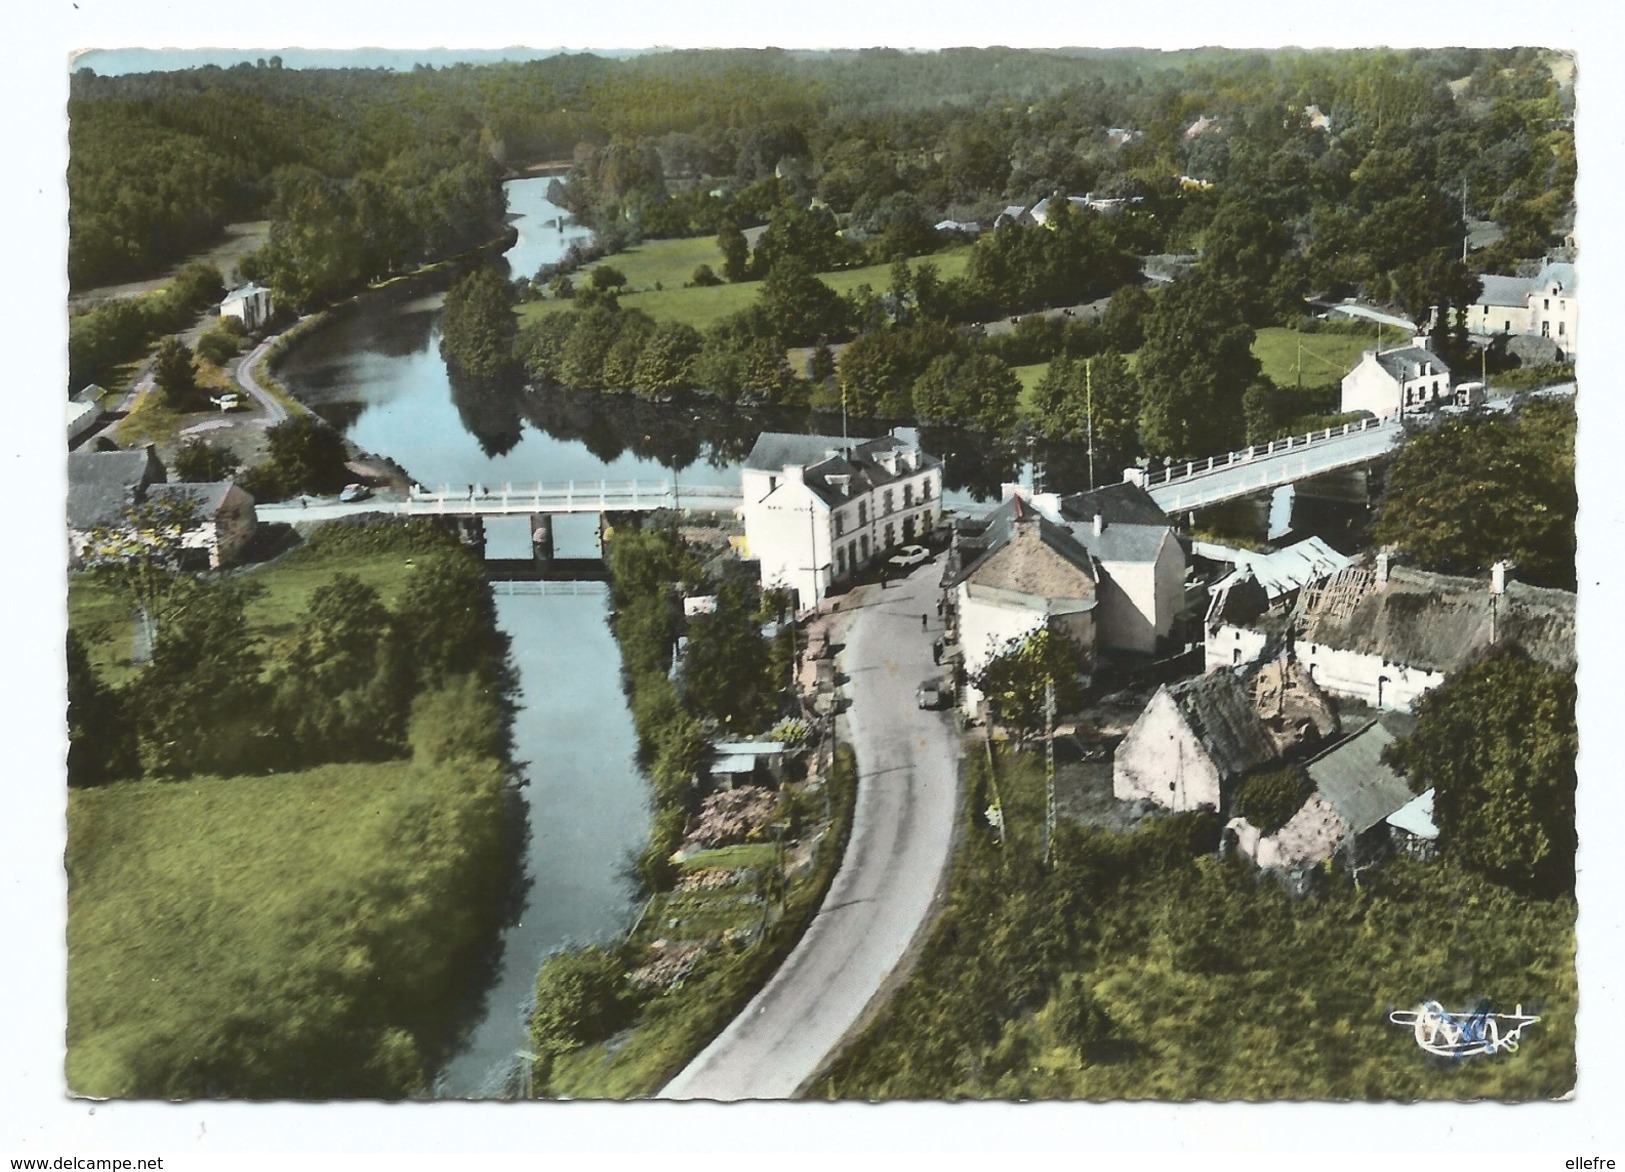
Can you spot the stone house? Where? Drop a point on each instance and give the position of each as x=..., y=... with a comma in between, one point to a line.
x=104, y=486
x=1197, y=739
x=1544, y=306
x=1347, y=814
x=225, y=520
x=250, y=305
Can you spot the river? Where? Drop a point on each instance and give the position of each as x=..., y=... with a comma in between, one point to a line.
x=376, y=373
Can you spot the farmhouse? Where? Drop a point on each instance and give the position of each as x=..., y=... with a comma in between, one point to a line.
x=1388, y=382
x=104, y=486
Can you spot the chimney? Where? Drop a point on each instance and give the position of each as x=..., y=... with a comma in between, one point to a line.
x=1382, y=569
x=1100, y=524
x=1498, y=576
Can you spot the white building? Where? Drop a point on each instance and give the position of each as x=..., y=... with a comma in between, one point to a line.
x=1246, y=611
x=1014, y=574
x=819, y=508
x=251, y=305
x=1543, y=306
x=1387, y=382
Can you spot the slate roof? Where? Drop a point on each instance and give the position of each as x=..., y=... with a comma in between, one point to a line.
x=1118, y=504
x=1440, y=622
x=247, y=290
x=1219, y=710
x=101, y=485
x=207, y=496
x=1407, y=361
x=1353, y=779
x=1503, y=290
x=774, y=450
x=1561, y=273
x=1039, y=558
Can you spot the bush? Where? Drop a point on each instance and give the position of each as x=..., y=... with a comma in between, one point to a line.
x=220, y=345
x=581, y=996
x=704, y=277
x=463, y=718
x=1269, y=800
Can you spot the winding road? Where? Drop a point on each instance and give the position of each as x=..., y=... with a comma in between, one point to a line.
x=891, y=876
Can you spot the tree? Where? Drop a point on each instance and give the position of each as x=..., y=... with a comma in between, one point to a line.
x=101, y=741
x=342, y=682
x=607, y=277
x=1194, y=368
x=174, y=375
x=1101, y=394
x=735, y=252
x=704, y=277
x=581, y=997
x=665, y=363
x=797, y=307
x=1124, y=322
x=1015, y=681
x=478, y=327
x=724, y=671
x=974, y=390
x=447, y=618
x=1469, y=492
x=304, y=455
x=1497, y=744
x=201, y=462
x=199, y=705
x=219, y=344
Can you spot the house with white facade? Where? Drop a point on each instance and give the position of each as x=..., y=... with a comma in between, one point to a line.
x=224, y=520
x=1388, y=382
x=1197, y=739
x=1013, y=574
x=250, y=305
x=819, y=508
x=1385, y=634
x=1543, y=306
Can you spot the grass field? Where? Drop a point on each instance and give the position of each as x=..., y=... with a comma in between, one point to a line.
x=1030, y=377
x=672, y=262
x=1326, y=358
x=234, y=929
x=102, y=617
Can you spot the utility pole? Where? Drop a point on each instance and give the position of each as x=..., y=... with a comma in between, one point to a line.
x=1465, y=231
x=1049, y=766
x=1089, y=409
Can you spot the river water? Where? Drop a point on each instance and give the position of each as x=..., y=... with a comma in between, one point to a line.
x=376, y=373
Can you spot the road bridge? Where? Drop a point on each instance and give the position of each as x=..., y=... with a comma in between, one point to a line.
x=1195, y=484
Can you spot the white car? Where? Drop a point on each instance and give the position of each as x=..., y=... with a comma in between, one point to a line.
x=908, y=557
x=355, y=492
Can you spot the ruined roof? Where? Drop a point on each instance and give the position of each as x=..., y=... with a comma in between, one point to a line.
x=1353, y=778
x=774, y=450
x=1283, y=571
x=101, y=485
x=1219, y=710
x=1439, y=622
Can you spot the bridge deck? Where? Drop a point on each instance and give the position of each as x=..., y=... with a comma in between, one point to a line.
x=1199, y=483
x=516, y=500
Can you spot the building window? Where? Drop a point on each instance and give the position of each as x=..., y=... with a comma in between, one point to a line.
x=890, y=534
x=925, y=491
x=852, y=555
x=840, y=524
x=1506, y=326
x=840, y=562
x=863, y=513
x=1560, y=326
x=863, y=544
x=886, y=499
x=1547, y=303
x=772, y=483
x=1545, y=329
x=908, y=495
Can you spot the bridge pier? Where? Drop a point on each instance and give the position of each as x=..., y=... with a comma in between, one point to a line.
x=471, y=532
x=541, y=538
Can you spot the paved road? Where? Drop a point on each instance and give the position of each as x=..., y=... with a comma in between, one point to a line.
x=275, y=412
x=1271, y=471
x=902, y=834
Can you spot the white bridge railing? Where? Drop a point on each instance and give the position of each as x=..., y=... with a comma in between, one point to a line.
x=571, y=496
x=1183, y=470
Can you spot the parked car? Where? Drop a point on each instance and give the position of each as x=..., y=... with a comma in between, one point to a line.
x=355, y=492
x=932, y=694
x=908, y=557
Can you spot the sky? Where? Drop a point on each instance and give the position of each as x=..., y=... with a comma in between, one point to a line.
x=35, y=1118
